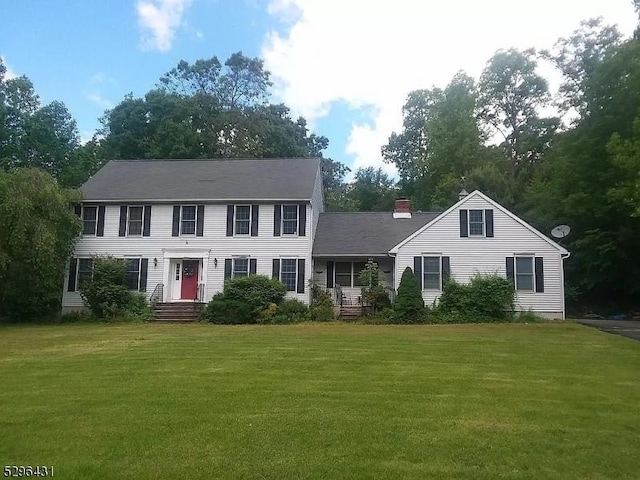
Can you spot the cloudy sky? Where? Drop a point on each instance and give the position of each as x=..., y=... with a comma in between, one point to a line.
x=345, y=65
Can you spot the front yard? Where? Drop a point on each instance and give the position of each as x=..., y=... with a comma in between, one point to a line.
x=320, y=401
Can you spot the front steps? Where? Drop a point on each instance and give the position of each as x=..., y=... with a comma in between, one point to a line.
x=177, y=312
x=350, y=312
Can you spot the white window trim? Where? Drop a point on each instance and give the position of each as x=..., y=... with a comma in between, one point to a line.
x=297, y=220
x=295, y=261
x=139, y=259
x=128, y=234
x=233, y=265
x=77, y=272
x=353, y=275
x=432, y=255
x=484, y=223
x=195, y=228
x=533, y=273
x=236, y=234
x=95, y=229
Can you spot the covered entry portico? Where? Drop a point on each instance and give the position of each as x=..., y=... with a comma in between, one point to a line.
x=185, y=275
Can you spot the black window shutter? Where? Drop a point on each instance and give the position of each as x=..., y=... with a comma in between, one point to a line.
x=275, y=272
x=539, y=274
x=488, y=219
x=253, y=264
x=73, y=268
x=175, y=228
x=329, y=274
x=254, y=220
x=417, y=269
x=123, y=221
x=100, y=232
x=300, y=275
x=146, y=226
x=464, y=224
x=277, y=220
x=511, y=270
x=78, y=210
x=200, y=220
x=229, y=220
x=144, y=266
x=446, y=271
x=227, y=268
x=302, y=220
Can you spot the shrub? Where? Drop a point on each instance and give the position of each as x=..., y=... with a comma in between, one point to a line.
x=409, y=304
x=255, y=290
x=319, y=295
x=289, y=311
x=383, y=317
x=377, y=297
x=107, y=294
x=321, y=313
x=223, y=310
x=486, y=297
x=138, y=308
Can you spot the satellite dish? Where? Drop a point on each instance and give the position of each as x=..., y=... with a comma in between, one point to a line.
x=561, y=231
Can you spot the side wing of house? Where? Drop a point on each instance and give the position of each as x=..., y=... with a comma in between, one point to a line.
x=477, y=236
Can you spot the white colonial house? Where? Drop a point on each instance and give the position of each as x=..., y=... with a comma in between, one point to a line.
x=187, y=225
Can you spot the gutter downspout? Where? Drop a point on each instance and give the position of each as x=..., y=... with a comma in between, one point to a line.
x=564, y=309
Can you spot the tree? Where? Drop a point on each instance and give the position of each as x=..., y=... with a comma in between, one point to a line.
x=372, y=190
x=510, y=94
x=408, y=304
x=37, y=233
x=107, y=293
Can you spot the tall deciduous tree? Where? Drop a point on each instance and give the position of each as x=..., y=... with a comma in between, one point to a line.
x=37, y=232
x=372, y=190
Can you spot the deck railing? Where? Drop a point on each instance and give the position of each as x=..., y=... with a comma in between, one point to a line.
x=157, y=295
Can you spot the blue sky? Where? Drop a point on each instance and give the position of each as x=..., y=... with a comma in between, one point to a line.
x=346, y=65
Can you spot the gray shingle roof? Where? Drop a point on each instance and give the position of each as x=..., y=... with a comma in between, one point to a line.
x=217, y=179
x=364, y=233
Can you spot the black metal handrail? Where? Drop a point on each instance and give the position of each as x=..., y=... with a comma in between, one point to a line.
x=157, y=295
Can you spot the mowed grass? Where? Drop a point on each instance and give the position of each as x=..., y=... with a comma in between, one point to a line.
x=538, y=401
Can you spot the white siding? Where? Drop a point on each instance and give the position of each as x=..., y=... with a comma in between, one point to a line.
x=472, y=255
x=214, y=243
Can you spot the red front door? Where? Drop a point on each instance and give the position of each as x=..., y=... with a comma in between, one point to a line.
x=189, y=287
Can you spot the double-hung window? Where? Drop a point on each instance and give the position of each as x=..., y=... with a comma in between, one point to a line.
x=242, y=220
x=240, y=267
x=476, y=223
x=289, y=219
x=289, y=273
x=133, y=273
x=188, y=220
x=134, y=221
x=85, y=270
x=524, y=274
x=89, y=220
x=432, y=273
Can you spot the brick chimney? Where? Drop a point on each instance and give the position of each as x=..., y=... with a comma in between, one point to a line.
x=403, y=208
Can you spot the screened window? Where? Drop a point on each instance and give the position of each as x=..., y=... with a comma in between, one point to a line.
x=357, y=268
x=432, y=273
x=242, y=219
x=347, y=274
x=524, y=274
x=240, y=267
x=89, y=220
x=134, y=221
x=476, y=222
x=133, y=274
x=188, y=220
x=288, y=273
x=85, y=270
x=289, y=219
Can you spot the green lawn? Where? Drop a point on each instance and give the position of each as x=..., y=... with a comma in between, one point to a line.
x=537, y=401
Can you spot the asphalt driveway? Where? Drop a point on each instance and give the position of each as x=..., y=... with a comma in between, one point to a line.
x=626, y=328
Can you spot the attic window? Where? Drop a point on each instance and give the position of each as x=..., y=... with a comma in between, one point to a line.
x=476, y=222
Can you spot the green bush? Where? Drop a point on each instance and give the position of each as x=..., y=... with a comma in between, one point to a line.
x=409, y=305
x=383, y=317
x=255, y=290
x=485, y=298
x=321, y=313
x=107, y=294
x=319, y=295
x=223, y=310
x=377, y=297
x=289, y=311
x=139, y=308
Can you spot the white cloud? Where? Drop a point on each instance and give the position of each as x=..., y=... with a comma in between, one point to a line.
x=99, y=100
x=9, y=74
x=159, y=20
x=373, y=53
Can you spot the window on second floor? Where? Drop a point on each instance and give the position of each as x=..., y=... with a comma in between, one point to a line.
x=242, y=221
x=188, y=220
x=134, y=221
x=89, y=220
x=289, y=219
x=476, y=223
